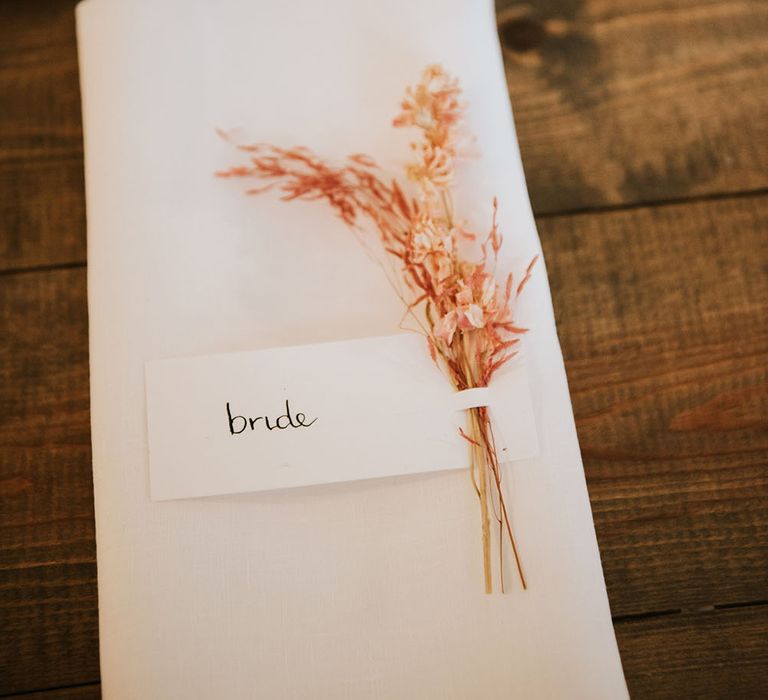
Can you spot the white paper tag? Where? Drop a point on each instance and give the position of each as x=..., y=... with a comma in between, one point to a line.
x=314, y=414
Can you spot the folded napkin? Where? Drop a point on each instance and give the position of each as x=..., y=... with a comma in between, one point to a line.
x=366, y=589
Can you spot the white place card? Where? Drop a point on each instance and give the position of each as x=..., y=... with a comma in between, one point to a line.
x=314, y=414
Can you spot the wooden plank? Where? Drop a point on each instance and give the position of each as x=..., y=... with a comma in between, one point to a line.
x=48, y=609
x=628, y=101
x=662, y=320
x=79, y=692
x=42, y=209
x=615, y=103
x=713, y=654
x=717, y=654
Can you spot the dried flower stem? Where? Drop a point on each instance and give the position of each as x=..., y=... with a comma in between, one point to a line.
x=463, y=311
x=479, y=470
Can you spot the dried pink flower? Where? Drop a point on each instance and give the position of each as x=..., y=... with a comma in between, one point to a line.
x=465, y=313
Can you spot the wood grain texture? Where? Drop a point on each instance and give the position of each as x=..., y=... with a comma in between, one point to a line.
x=48, y=609
x=42, y=208
x=615, y=102
x=668, y=383
x=661, y=315
x=81, y=692
x=718, y=655
x=622, y=101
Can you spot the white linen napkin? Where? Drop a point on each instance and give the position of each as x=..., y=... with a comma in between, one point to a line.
x=369, y=589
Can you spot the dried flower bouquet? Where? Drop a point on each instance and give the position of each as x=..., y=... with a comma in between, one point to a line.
x=464, y=312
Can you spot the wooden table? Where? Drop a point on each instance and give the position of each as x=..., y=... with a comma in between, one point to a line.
x=643, y=126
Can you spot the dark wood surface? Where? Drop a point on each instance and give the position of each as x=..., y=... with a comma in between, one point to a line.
x=643, y=126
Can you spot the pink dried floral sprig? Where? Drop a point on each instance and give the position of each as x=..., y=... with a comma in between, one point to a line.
x=465, y=313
